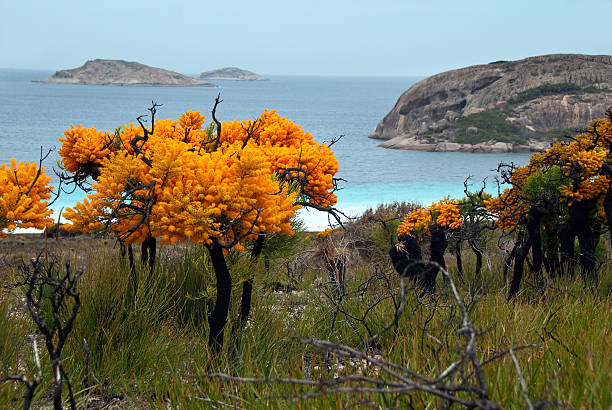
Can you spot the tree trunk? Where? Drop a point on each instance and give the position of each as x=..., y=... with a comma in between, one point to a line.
x=247, y=285
x=508, y=262
x=535, y=233
x=148, y=251
x=407, y=258
x=607, y=206
x=437, y=248
x=533, y=242
x=579, y=218
x=551, y=249
x=519, y=264
x=218, y=317
x=459, y=261
x=478, y=252
x=57, y=385
x=133, y=273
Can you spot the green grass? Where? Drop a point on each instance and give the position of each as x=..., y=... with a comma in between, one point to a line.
x=553, y=89
x=149, y=350
x=492, y=125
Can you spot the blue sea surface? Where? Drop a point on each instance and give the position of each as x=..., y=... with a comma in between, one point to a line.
x=36, y=114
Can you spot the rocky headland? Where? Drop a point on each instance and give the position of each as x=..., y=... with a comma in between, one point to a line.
x=232, y=74
x=504, y=106
x=125, y=73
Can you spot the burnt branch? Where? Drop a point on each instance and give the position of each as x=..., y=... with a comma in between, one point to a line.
x=32, y=385
x=217, y=140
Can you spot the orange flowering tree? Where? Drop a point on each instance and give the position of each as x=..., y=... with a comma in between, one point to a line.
x=434, y=222
x=562, y=194
x=177, y=180
x=24, y=191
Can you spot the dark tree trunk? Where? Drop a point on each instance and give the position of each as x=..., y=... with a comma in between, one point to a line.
x=218, y=317
x=478, y=252
x=534, y=231
x=459, y=261
x=533, y=242
x=148, y=251
x=508, y=262
x=567, y=237
x=551, y=249
x=133, y=273
x=247, y=285
x=57, y=385
x=519, y=264
x=579, y=218
x=437, y=248
x=407, y=258
x=607, y=206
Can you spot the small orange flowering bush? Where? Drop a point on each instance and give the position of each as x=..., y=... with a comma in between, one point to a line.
x=444, y=213
x=24, y=191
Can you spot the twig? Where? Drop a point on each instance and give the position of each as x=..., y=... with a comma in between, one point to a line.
x=519, y=374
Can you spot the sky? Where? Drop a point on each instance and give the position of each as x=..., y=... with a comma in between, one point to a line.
x=287, y=37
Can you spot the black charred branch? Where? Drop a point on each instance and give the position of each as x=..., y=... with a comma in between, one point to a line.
x=48, y=288
x=218, y=316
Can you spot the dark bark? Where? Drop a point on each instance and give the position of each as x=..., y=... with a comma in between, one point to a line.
x=607, y=206
x=519, y=263
x=551, y=249
x=533, y=242
x=247, y=285
x=517, y=244
x=459, y=261
x=437, y=248
x=133, y=273
x=218, y=316
x=57, y=385
x=478, y=252
x=407, y=258
x=148, y=251
x=579, y=218
x=567, y=237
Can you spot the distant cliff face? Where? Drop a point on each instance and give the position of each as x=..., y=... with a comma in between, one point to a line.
x=515, y=105
x=119, y=72
x=232, y=73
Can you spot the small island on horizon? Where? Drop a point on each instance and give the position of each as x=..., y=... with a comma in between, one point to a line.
x=123, y=73
x=232, y=74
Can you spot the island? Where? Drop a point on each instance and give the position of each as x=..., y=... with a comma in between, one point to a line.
x=232, y=74
x=123, y=73
x=503, y=106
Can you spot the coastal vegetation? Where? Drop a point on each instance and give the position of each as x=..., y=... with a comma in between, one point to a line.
x=390, y=309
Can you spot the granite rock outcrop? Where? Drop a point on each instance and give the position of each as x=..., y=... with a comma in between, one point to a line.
x=503, y=106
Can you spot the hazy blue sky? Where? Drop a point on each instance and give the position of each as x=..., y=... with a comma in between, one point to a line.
x=353, y=37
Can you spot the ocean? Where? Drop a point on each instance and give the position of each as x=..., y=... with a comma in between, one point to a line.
x=35, y=115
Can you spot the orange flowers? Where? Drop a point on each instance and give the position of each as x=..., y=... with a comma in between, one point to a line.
x=84, y=147
x=192, y=191
x=444, y=213
x=23, y=195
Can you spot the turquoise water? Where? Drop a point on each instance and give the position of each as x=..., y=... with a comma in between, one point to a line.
x=34, y=115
